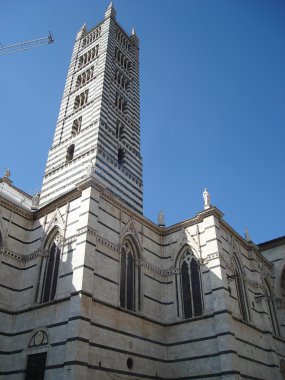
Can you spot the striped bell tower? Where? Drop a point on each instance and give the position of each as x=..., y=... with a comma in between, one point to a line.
x=98, y=128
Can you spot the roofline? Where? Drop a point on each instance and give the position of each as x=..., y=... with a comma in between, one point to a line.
x=272, y=243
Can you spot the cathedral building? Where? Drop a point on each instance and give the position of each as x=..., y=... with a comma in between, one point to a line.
x=91, y=289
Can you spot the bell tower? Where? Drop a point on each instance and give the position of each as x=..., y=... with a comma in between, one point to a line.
x=98, y=127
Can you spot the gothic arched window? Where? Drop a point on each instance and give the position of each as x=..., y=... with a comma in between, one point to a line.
x=51, y=270
x=192, y=304
x=240, y=290
x=121, y=156
x=128, y=276
x=271, y=309
x=70, y=153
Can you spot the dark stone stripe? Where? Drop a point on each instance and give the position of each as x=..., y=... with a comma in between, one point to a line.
x=257, y=361
x=157, y=301
x=23, y=242
x=11, y=352
x=18, y=268
x=109, y=228
x=15, y=372
x=107, y=212
x=106, y=279
x=216, y=289
x=66, y=274
x=35, y=307
x=16, y=290
x=23, y=228
x=17, y=333
x=274, y=261
x=51, y=326
x=160, y=282
x=83, y=266
x=105, y=254
x=90, y=243
x=155, y=254
x=93, y=214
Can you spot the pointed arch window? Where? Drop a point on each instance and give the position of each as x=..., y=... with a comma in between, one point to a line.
x=70, y=153
x=192, y=304
x=51, y=270
x=271, y=309
x=121, y=156
x=240, y=290
x=129, y=279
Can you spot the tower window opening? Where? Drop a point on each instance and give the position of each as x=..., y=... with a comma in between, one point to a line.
x=92, y=36
x=121, y=156
x=76, y=126
x=121, y=103
x=81, y=99
x=70, y=153
x=123, y=61
x=121, y=80
x=122, y=39
x=88, y=56
x=119, y=130
x=84, y=77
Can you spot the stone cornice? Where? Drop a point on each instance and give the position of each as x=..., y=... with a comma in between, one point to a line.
x=200, y=216
x=18, y=210
x=57, y=203
x=246, y=245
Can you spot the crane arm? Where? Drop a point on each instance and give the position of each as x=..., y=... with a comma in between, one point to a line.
x=26, y=45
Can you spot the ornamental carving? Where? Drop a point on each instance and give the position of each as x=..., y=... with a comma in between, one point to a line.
x=40, y=338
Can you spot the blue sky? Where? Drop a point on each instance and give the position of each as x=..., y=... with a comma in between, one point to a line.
x=212, y=101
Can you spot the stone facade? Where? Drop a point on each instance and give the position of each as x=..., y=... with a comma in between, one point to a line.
x=93, y=289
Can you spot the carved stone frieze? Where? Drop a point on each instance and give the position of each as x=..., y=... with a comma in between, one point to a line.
x=162, y=272
x=107, y=243
x=86, y=229
x=213, y=256
x=20, y=257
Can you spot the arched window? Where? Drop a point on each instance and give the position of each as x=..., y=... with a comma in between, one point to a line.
x=76, y=126
x=1, y=241
x=70, y=153
x=129, y=281
x=192, y=305
x=271, y=309
x=121, y=156
x=240, y=290
x=51, y=270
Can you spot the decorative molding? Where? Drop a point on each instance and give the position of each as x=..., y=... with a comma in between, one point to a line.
x=18, y=210
x=107, y=243
x=86, y=229
x=56, y=220
x=23, y=258
x=130, y=229
x=70, y=240
x=213, y=256
x=162, y=272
